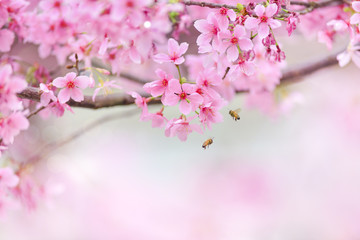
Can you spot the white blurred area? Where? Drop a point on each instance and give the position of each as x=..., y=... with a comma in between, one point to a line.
x=296, y=177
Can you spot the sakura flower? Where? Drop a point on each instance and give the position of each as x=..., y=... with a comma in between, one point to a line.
x=55, y=108
x=175, y=53
x=185, y=93
x=292, y=21
x=246, y=67
x=181, y=128
x=263, y=20
x=11, y=126
x=208, y=79
x=8, y=179
x=46, y=95
x=71, y=85
x=209, y=29
x=159, y=87
x=234, y=40
x=209, y=112
x=355, y=19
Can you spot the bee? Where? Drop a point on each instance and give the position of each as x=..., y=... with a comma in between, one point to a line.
x=235, y=114
x=207, y=143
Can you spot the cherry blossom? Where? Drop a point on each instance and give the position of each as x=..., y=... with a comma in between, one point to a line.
x=175, y=53
x=355, y=19
x=71, y=85
x=181, y=128
x=47, y=95
x=185, y=93
x=263, y=20
x=11, y=125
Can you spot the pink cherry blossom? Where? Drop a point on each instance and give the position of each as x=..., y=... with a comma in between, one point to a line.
x=175, y=53
x=263, y=20
x=246, y=67
x=209, y=29
x=185, y=93
x=8, y=179
x=351, y=53
x=10, y=126
x=71, y=85
x=236, y=39
x=207, y=80
x=159, y=87
x=209, y=112
x=56, y=108
x=181, y=128
x=46, y=95
x=157, y=119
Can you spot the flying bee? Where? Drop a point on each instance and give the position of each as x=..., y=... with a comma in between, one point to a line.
x=235, y=114
x=207, y=143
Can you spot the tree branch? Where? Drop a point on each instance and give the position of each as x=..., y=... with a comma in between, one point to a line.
x=290, y=76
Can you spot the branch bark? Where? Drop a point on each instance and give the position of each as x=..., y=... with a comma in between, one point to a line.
x=289, y=76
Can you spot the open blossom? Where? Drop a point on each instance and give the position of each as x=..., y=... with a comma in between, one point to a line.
x=159, y=87
x=71, y=85
x=55, y=108
x=234, y=40
x=185, y=93
x=352, y=53
x=175, y=53
x=106, y=86
x=11, y=125
x=207, y=80
x=181, y=128
x=209, y=112
x=46, y=95
x=263, y=20
x=141, y=102
x=209, y=29
x=157, y=119
x=223, y=15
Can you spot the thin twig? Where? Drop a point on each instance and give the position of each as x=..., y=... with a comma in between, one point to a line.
x=35, y=112
x=50, y=147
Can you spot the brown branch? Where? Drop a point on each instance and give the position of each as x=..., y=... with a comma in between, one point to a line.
x=103, y=101
x=35, y=112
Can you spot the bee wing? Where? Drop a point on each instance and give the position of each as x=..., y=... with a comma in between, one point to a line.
x=237, y=110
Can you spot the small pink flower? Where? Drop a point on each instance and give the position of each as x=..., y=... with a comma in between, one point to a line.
x=157, y=119
x=263, y=20
x=185, y=93
x=207, y=80
x=71, y=85
x=46, y=95
x=234, y=40
x=106, y=86
x=209, y=29
x=246, y=67
x=8, y=179
x=55, y=108
x=175, y=53
x=181, y=128
x=159, y=87
x=209, y=112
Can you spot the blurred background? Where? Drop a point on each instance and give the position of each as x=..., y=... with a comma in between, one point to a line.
x=294, y=176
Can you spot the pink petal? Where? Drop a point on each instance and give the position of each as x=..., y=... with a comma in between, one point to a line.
x=274, y=23
x=76, y=94
x=64, y=95
x=161, y=57
x=259, y=10
x=343, y=58
x=173, y=46
x=202, y=26
x=232, y=53
x=82, y=82
x=59, y=82
x=170, y=99
x=70, y=76
x=263, y=30
x=355, y=19
x=179, y=60
x=185, y=107
x=183, y=48
x=204, y=39
x=271, y=10
x=231, y=14
x=251, y=22
x=195, y=99
x=245, y=43
x=134, y=55
x=239, y=31
x=6, y=40
x=223, y=23
x=174, y=86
